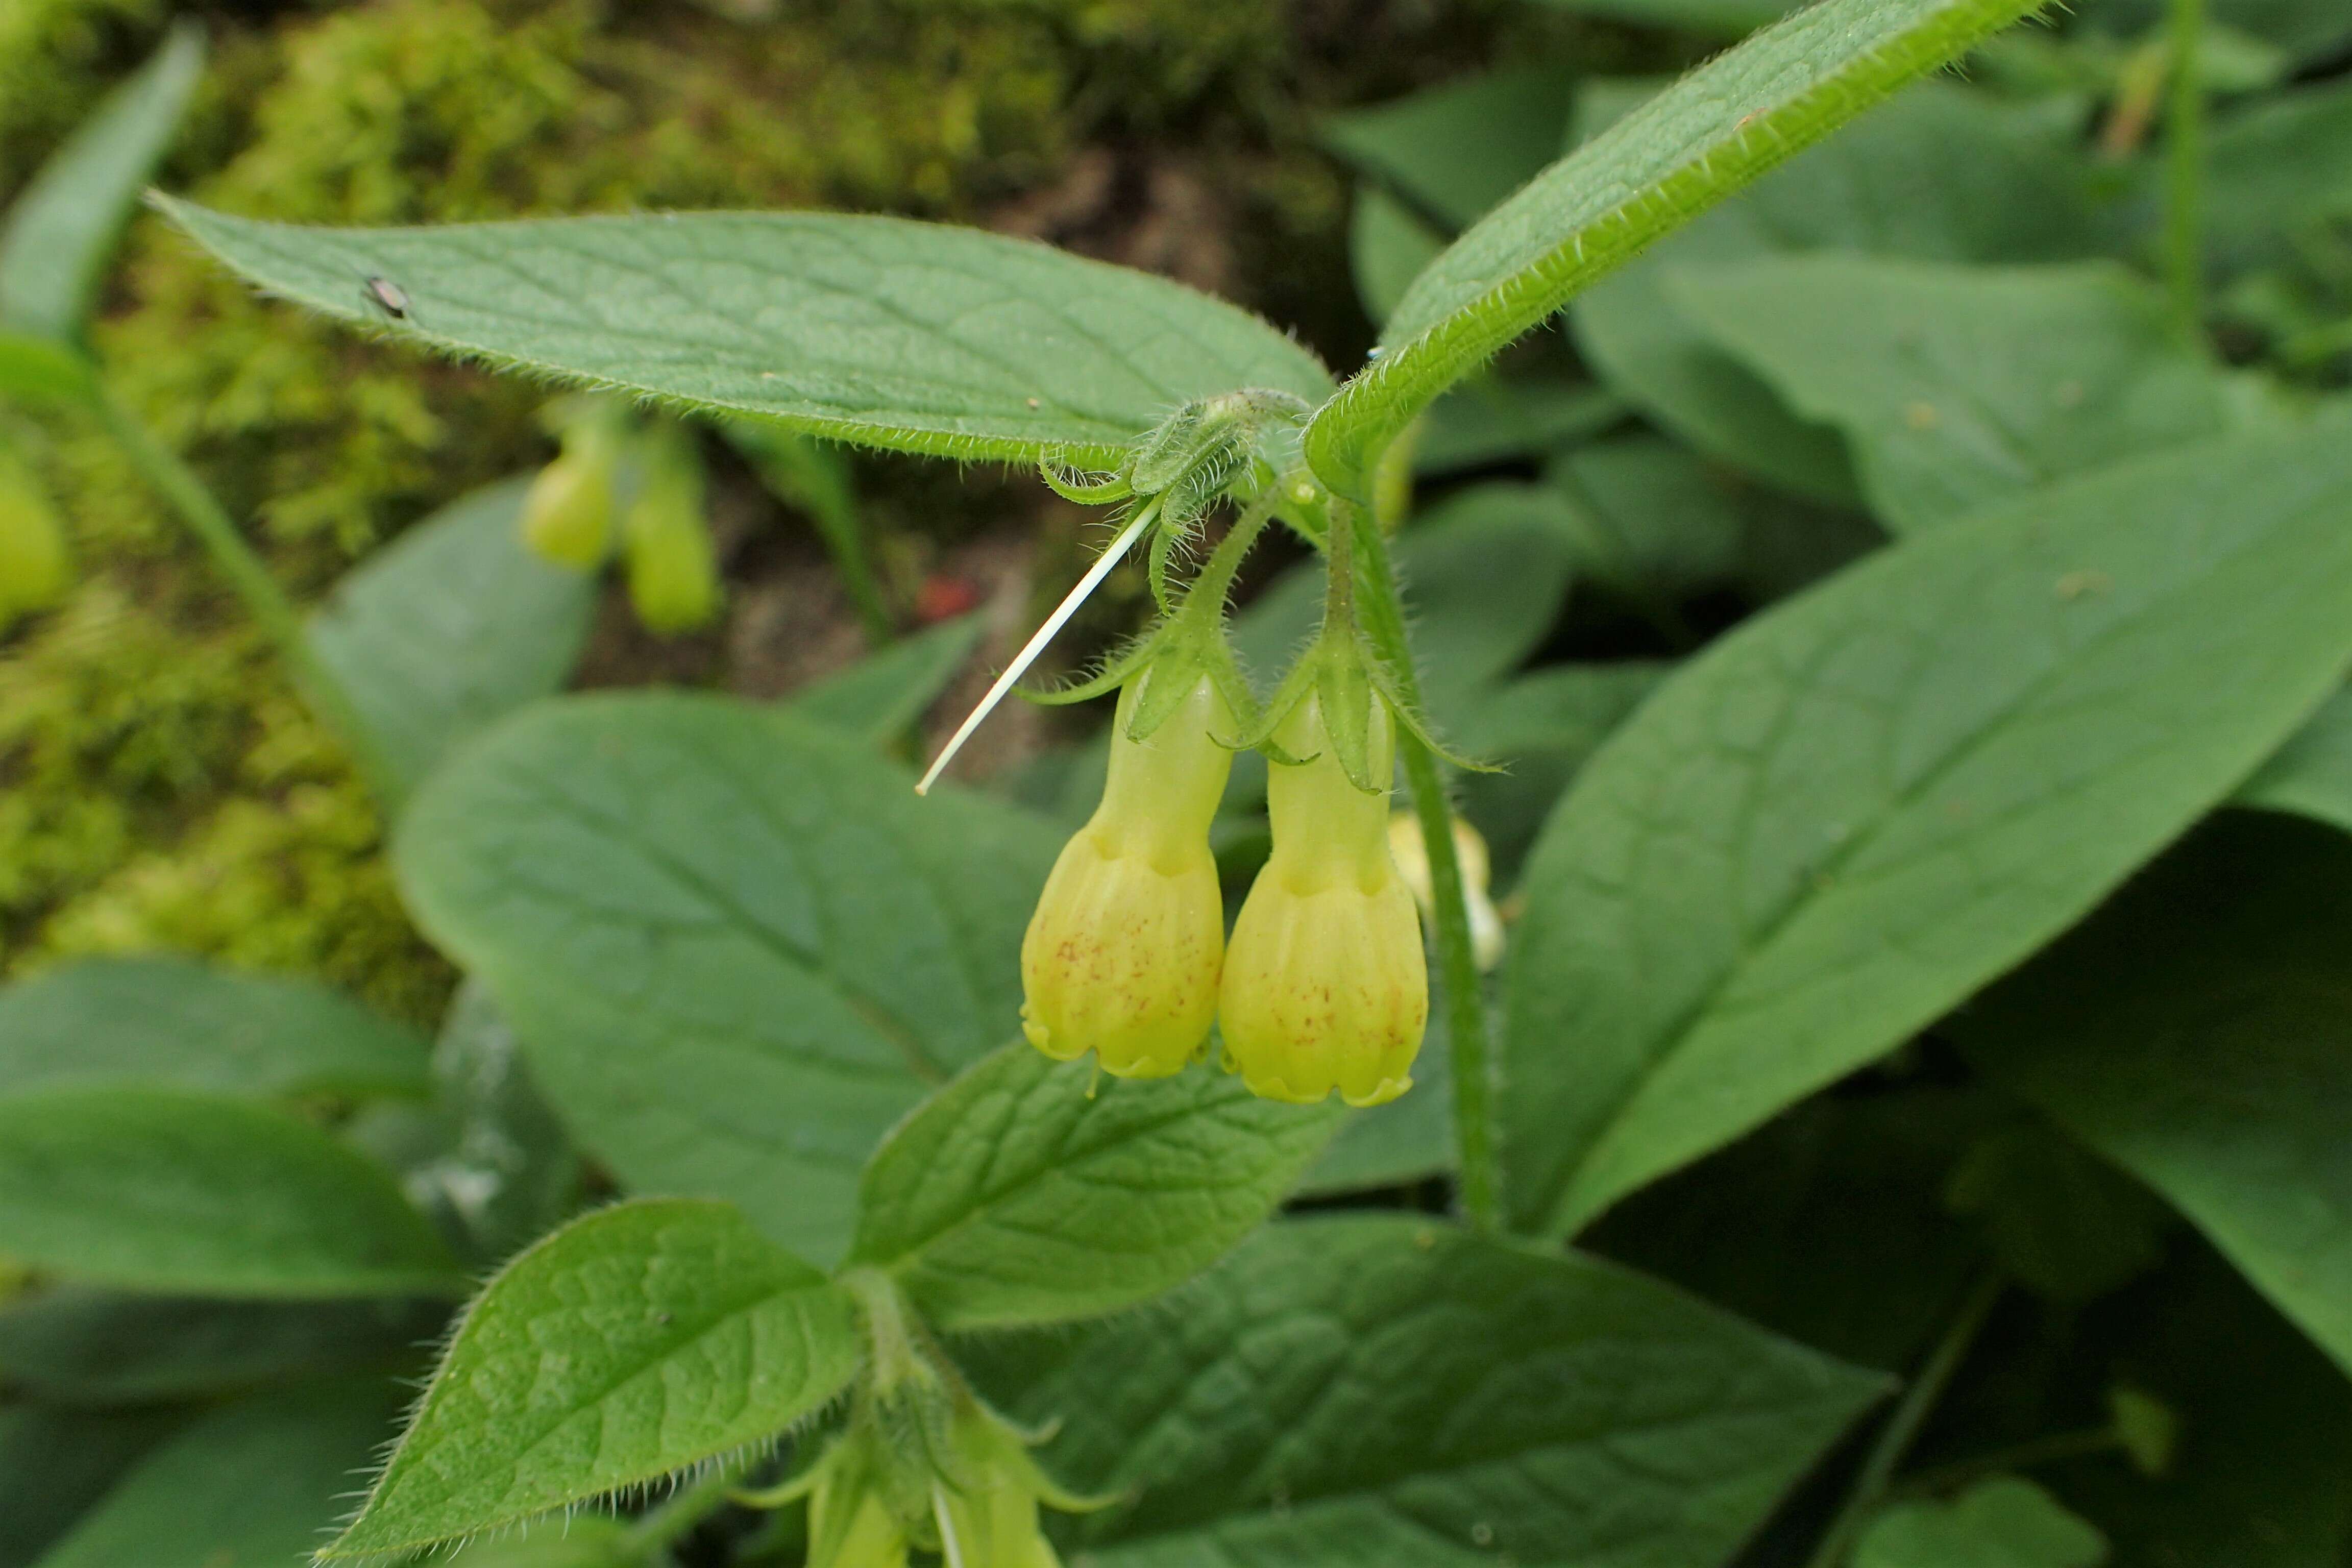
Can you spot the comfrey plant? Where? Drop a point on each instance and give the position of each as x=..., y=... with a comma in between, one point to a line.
x=774, y=995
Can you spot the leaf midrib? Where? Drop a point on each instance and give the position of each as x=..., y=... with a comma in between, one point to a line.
x=1668, y=1043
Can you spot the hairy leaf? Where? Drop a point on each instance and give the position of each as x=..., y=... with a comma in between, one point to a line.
x=736, y=947
x=173, y=1021
x=1453, y=151
x=1027, y=1191
x=1856, y=808
x=1960, y=386
x=60, y=233
x=630, y=1344
x=1685, y=150
x=1381, y=1390
x=454, y=624
x=168, y=1191
x=1941, y=173
x=922, y=337
x=2194, y=1033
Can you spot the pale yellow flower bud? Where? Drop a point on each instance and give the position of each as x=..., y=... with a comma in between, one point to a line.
x=34, y=563
x=673, y=573
x=1405, y=843
x=1123, y=953
x=1324, y=986
x=567, y=514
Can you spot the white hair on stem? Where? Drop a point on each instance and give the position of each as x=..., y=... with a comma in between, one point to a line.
x=1109, y=558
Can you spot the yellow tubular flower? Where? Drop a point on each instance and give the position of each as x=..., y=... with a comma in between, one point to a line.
x=1487, y=941
x=1325, y=984
x=1123, y=953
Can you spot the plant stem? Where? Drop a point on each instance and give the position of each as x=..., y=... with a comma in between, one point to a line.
x=2184, y=183
x=249, y=578
x=1466, y=1007
x=1895, y=1438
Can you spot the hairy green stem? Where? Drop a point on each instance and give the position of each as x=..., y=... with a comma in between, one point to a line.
x=1215, y=578
x=2184, y=168
x=1895, y=1439
x=249, y=578
x=1458, y=961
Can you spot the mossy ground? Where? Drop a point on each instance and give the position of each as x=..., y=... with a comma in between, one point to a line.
x=160, y=783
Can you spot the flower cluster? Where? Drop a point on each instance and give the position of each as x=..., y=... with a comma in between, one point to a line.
x=644, y=484
x=1324, y=987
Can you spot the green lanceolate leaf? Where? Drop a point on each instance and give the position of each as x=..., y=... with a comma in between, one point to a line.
x=1016, y=1196
x=456, y=624
x=1385, y=1390
x=1681, y=151
x=158, y=1190
x=917, y=336
x=629, y=1345
x=735, y=945
x=58, y=237
x=2193, y=1032
x=171, y=1021
x=2312, y=774
x=881, y=695
x=1959, y=386
x=73, y=1345
x=1453, y=151
x=2004, y=1522
x=1943, y=173
x=1856, y=809
x=258, y=1484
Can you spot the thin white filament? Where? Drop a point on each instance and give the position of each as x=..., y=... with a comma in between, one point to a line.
x=950, y=1547
x=1037, y=645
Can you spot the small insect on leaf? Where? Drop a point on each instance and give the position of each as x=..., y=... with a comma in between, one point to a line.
x=387, y=297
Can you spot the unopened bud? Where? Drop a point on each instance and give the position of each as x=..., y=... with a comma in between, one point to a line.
x=1123, y=955
x=34, y=563
x=1325, y=984
x=673, y=573
x=1412, y=855
x=567, y=516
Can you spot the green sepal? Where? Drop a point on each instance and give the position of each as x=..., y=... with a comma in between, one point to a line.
x=1384, y=681
x=1163, y=688
x=1118, y=669
x=1343, y=685
x=1078, y=485
x=1258, y=736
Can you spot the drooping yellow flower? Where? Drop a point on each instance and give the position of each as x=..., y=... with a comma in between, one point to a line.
x=1324, y=986
x=1123, y=955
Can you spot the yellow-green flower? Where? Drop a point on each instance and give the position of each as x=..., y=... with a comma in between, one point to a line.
x=567, y=513
x=1123, y=955
x=1324, y=987
x=673, y=573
